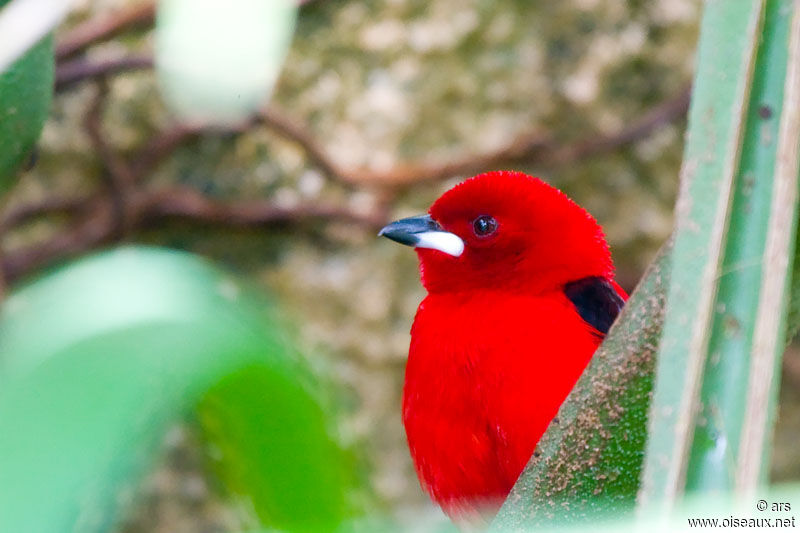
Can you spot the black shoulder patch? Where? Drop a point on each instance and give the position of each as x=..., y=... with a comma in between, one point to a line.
x=596, y=301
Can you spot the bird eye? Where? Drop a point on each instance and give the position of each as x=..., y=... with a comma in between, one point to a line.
x=484, y=225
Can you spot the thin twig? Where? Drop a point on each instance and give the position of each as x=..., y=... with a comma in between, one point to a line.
x=163, y=144
x=18, y=215
x=89, y=233
x=149, y=207
x=101, y=217
x=532, y=147
x=75, y=71
x=119, y=171
x=664, y=113
x=301, y=134
x=190, y=205
x=116, y=171
x=103, y=28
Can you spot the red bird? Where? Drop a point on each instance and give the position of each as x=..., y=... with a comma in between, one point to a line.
x=521, y=292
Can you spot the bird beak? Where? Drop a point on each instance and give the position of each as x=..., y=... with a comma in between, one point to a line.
x=423, y=232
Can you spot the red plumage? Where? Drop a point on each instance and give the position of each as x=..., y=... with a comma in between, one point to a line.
x=496, y=346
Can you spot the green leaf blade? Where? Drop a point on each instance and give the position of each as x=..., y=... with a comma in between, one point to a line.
x=588, y=463
x=26, y=91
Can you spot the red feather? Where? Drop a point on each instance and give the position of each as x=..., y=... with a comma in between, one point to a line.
x=496, y=346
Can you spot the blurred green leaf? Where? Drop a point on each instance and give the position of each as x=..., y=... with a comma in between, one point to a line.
x=217, y=62
x=254, y=423
x=26, y=89
x=99, y=357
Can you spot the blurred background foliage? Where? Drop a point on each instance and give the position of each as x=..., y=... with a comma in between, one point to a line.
x=380, y=107
x=101, y=357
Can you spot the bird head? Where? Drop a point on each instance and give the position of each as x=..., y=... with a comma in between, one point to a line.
x=504, y=230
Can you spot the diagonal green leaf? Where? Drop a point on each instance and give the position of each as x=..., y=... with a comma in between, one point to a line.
x=26, y=89
x=589, y=461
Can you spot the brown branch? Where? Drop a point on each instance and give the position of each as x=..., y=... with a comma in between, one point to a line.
x=190, y=205
x=525, y=147
x=96, y=30
x=162, y=145
x=127, y=209
x=664, y=113
x=57, y=205
x=521, y=147
x=117, y=173
x=301, y=134
x=87, y=234
x=72, y=72
x=529, y=147
x=146, y=208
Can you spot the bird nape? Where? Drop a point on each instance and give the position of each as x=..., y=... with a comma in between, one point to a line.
x=521, y=292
